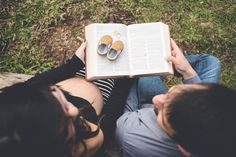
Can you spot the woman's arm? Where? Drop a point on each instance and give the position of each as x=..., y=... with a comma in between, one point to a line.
x=58, y=74
x=62, y=72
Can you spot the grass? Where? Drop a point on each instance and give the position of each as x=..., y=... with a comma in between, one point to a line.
x=199, y=26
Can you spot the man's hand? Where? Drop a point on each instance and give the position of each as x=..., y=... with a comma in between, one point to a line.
x=80, y=52
x=180, y=62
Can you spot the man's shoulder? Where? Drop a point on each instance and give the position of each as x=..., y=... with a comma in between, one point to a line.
x=138, y=133
x=131, y=120
x=138, y=126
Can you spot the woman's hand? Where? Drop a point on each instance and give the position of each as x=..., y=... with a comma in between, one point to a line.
x=80, y=52
x=180, y=62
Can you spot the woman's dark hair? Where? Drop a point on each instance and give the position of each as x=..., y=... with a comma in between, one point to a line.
x=32, y=123
x=204, y=120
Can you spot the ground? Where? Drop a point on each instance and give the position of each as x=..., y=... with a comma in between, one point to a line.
x=36, y=35
x=61, y=42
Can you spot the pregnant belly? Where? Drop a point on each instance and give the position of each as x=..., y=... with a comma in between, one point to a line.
x=79, y=87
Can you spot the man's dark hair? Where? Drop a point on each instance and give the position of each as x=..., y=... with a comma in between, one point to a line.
x=204, y=120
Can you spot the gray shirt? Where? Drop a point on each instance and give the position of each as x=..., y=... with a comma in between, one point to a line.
x=138, y=132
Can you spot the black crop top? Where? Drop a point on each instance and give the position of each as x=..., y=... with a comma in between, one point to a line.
x=88, y=113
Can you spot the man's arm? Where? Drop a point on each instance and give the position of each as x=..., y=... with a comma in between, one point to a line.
x=182, y=65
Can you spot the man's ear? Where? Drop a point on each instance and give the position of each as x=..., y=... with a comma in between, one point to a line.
x=184, y=151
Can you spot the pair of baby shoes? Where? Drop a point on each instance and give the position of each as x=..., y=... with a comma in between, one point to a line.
x=111, y=49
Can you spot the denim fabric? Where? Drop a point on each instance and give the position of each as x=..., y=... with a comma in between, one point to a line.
x=207, y=67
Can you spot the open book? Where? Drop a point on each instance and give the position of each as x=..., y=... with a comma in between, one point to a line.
x=145, y=48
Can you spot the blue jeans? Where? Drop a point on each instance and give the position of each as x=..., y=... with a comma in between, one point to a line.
x=207, y=67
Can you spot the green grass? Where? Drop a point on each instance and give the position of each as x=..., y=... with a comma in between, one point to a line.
x=199, y=26
x=22, y=25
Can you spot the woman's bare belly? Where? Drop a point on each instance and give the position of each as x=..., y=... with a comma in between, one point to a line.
x=79, y=87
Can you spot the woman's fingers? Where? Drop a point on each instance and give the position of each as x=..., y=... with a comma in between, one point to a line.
x=80, y=52
x=82, y=47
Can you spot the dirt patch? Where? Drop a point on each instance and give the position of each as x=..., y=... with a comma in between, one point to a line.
x=62, y=40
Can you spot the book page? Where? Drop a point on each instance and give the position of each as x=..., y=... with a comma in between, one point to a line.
x=101, y=65
x=149, y=45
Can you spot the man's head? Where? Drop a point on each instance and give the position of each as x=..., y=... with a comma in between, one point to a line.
x=200, y=118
